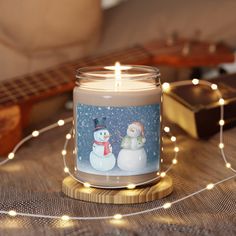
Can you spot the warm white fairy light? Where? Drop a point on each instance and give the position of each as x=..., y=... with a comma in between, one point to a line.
x=210, y=186
x=66, y=169
x=63, y=152
x=221, y=145
x=61, y=122
x=117, y=216
x=221, y=101
x=11, y=155
x=174, y=161
x=68, y=136
x=12, y=213
x=214, y=87
x=173, y=138
x=228, y=165
x=195, y=81
x=163, y=174
x=65, y=217
x=176, y=149
x=131, y=186
x=35, y=133
x=165, y=87
x=87, y=185
x=221, y=122
x=167, y=205
x=167, y=129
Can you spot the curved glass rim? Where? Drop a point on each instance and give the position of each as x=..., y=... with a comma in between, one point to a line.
x=107, y=72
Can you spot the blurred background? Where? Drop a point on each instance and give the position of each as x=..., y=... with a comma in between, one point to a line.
x=35, y=35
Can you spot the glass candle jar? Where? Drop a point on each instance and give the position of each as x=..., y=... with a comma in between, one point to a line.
x=117, y=117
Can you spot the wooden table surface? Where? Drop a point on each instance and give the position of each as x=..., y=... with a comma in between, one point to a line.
x=32, y=183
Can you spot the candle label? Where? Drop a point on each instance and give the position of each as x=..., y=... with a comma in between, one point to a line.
x=118, y=141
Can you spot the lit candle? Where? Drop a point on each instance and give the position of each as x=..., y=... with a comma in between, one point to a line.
x=117, y=112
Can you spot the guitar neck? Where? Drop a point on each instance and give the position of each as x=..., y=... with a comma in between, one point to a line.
x=38, y=86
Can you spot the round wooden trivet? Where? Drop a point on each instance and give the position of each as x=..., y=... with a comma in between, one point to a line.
x=76, y=190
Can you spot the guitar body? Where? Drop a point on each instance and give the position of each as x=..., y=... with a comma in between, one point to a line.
x=10, y=128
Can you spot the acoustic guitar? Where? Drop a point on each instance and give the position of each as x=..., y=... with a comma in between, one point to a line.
x=18, y=95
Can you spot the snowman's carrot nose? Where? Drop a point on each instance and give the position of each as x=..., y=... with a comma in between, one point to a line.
x=107, y=136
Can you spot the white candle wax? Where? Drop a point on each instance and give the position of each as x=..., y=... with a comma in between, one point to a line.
x=108, y=93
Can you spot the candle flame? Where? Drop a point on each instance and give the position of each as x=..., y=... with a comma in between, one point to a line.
x=117, y=68
x=117, y=75
x=117, y=71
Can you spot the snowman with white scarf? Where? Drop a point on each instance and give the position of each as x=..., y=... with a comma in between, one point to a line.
x=132, y=156
x=101, y=157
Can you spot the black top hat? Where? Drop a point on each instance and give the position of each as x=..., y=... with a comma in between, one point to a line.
x=99, y=123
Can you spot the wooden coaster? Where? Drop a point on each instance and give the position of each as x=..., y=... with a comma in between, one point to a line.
x=76, y=190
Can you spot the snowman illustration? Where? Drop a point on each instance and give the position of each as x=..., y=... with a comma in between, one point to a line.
x=132, y=156
x=101, y=157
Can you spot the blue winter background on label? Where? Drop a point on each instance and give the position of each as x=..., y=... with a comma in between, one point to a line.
x=118, y=141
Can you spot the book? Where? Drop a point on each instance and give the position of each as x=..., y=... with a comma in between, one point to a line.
x=196, y=109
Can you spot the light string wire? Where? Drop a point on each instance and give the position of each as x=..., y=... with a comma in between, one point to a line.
x=166, y=88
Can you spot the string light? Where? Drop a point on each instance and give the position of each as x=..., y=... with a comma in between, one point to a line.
x=11, y=155
x=221, y=122
x=221, y=145
x=167, y=129
x=87, y=185
x=195, y=81
x=131, y=186
x=12, y=213
x=210, y=186
x=167, y=205
x=214, y=87
x=163, y=174
x=173, y=138
x=66, y=169
x=117, y=216
x=221, y=101
x=65, y=217
x=176, y=149
x=68, y=136
x=228, y=165
x=165, y=87
x=61, y=122
x=174, y=161
x=35, y=133
x=63, y=152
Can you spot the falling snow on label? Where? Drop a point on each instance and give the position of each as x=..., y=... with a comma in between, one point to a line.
x=118, y=141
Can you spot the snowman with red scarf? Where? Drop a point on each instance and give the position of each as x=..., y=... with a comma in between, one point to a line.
x=101, y=157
